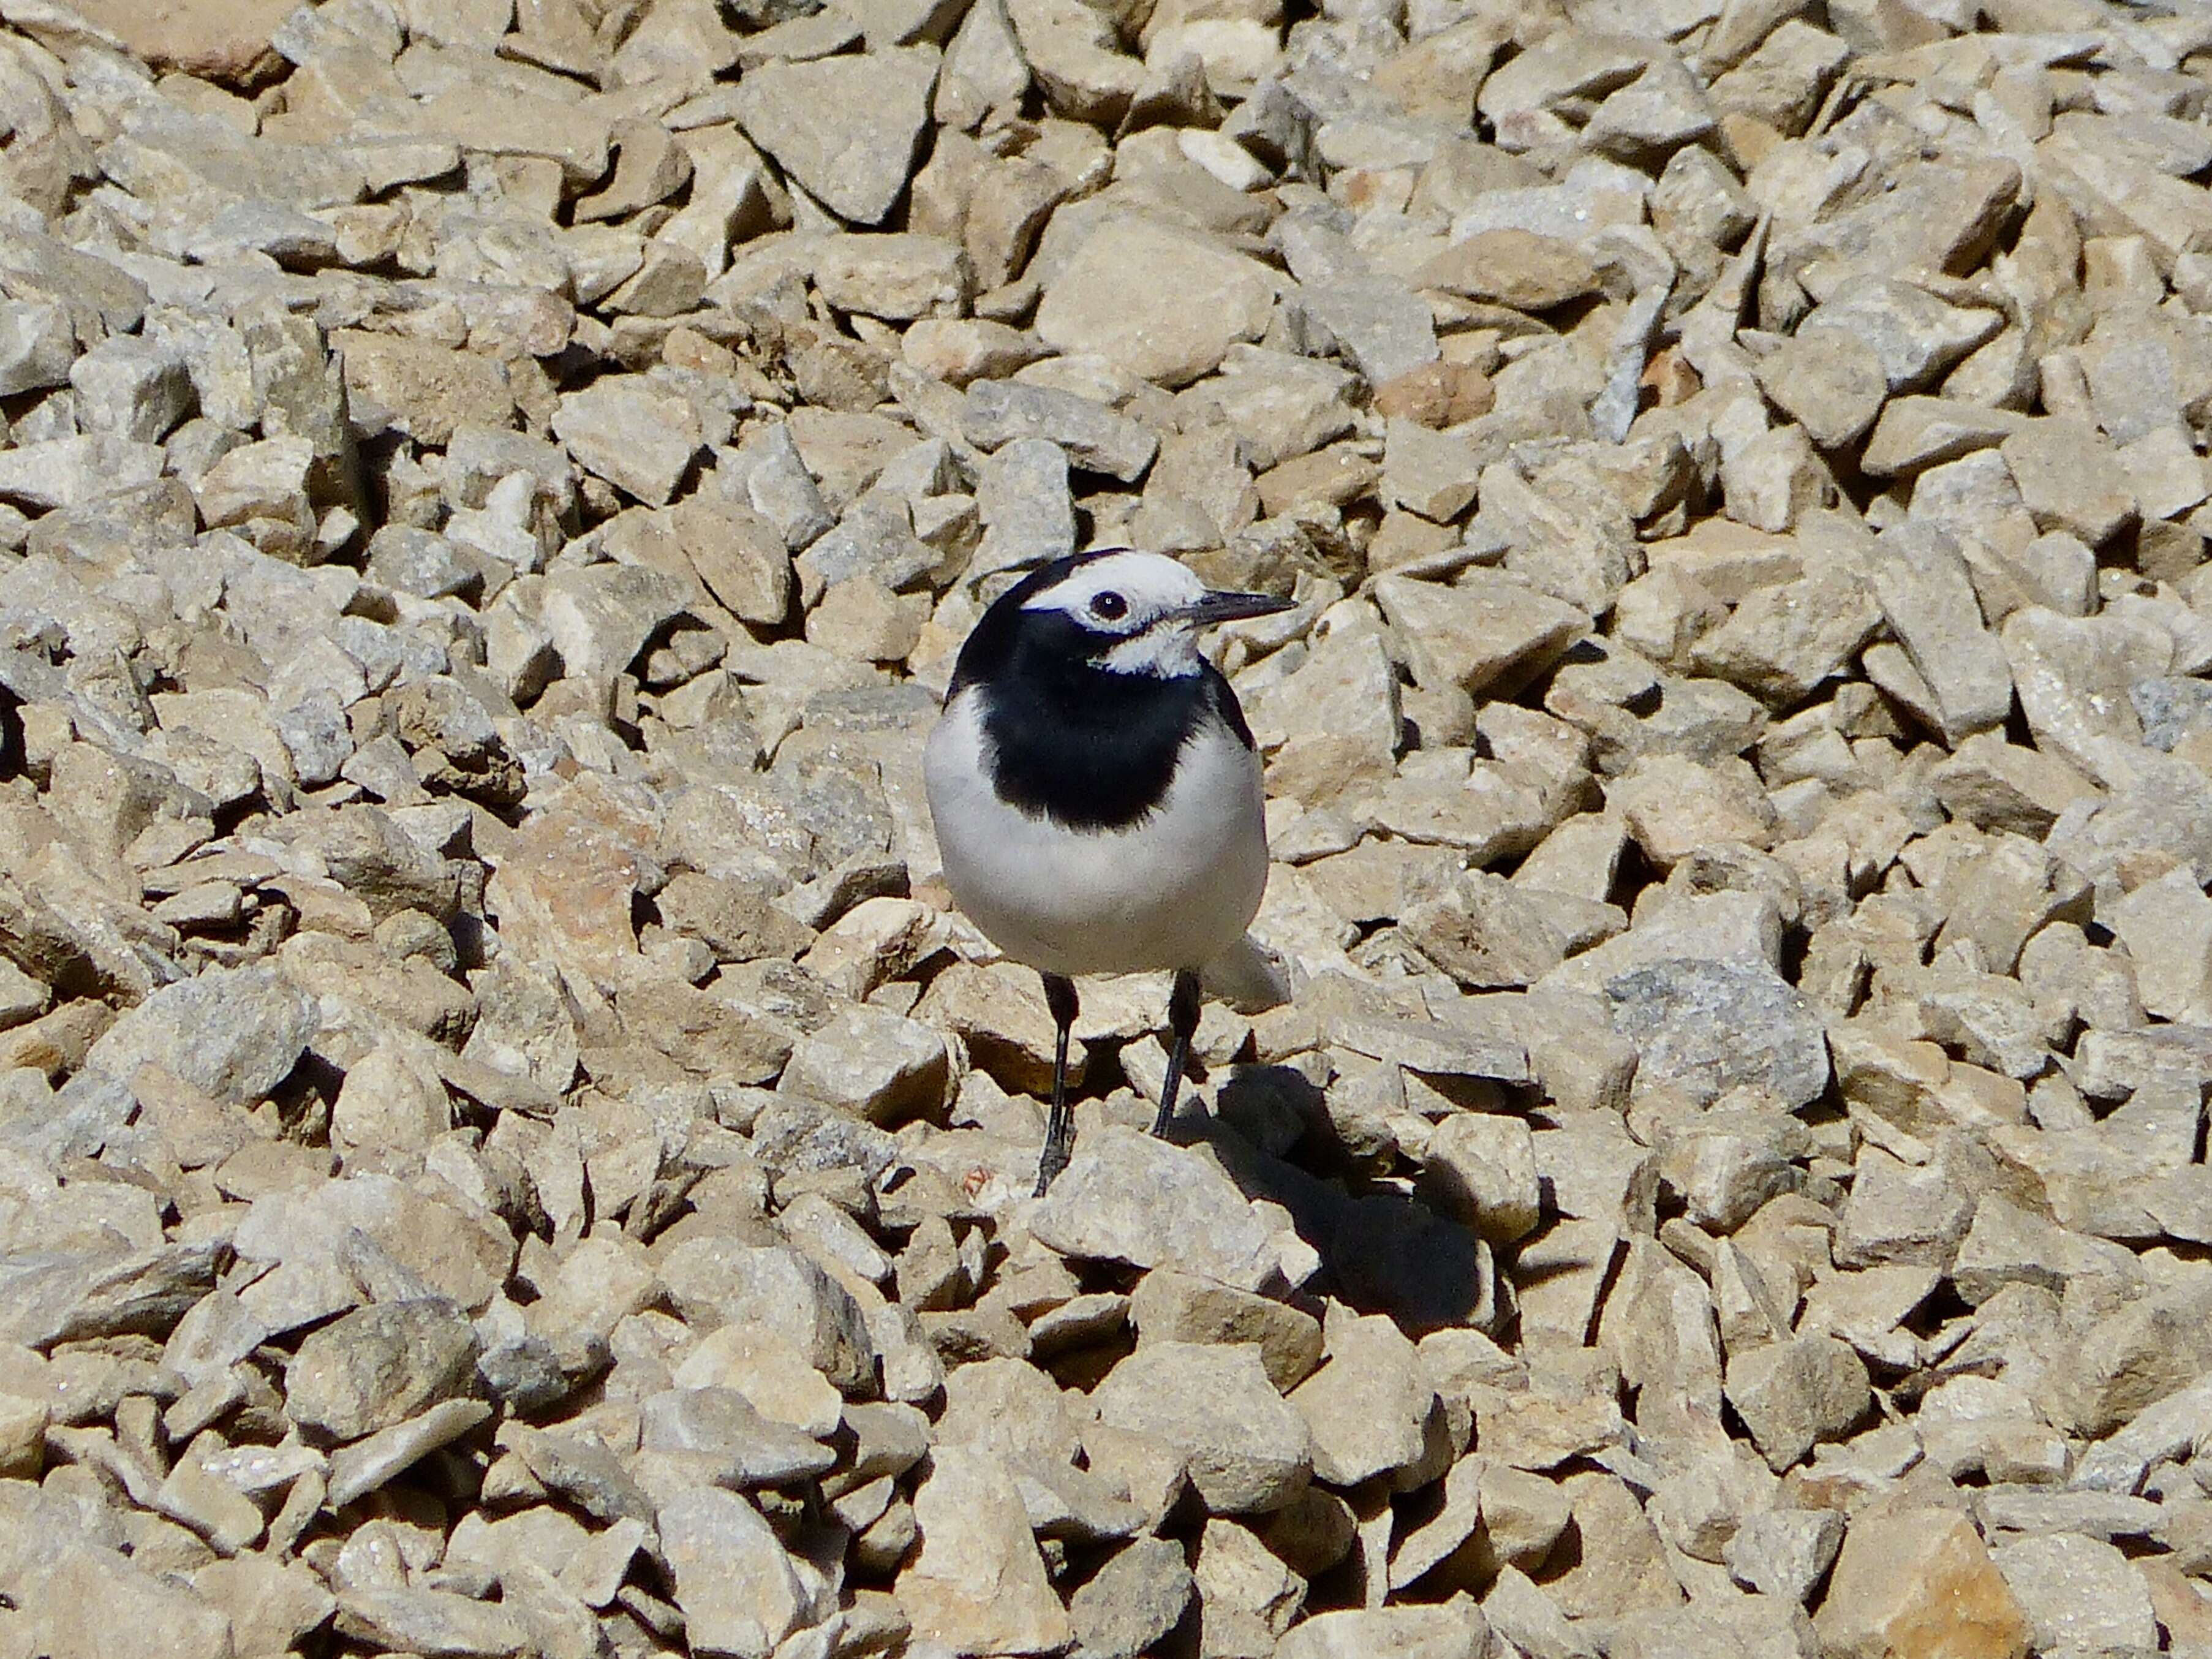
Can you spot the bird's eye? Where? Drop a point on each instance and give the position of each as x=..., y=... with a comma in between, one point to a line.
x=1110, y=607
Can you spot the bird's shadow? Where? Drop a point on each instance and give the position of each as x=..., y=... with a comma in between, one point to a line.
x=1381, y=1251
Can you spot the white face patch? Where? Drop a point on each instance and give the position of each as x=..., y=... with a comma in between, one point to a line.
x=1167, y=651
x=1138, y=598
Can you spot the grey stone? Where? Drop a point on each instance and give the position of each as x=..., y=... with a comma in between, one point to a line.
x=1132, y=1601
x=2101, y=1516
x=232, y=1034
x=1280, y=406
x=720, y=1281
x=740, y=1591
x=1246, y=1450
x=373, y=1461
x=428, y=391
x=1127, y=1197
x=1163, y=302
x=1008, y=1408
x=1074, y=53
x=2170, y=709
x=1454, y=1632
x=2071, y=478
x=1379, y=326
x=1488, y=933
x=1093, y=436
x=37, y=347
x=1708, y=1027
x=1784, y=1552
x=1368, y=1406
x=1831, y=383
x=266, y=1601
x=2073, y=676
x=417, y=561
x=403, y=1619
x=64, y=472
x=1575, y=64
x=1521, y=1612
x=1169, y=1306
x=1440, y=1539
x=1482, y=629
x=1795, y=1393
x=378, y=1366
x=580, y=1468
x=2134, y=1357
x=132, y=387
x=1917, y=432
x=2166, y=927
x=729, y=1442
x=1513, y=267
x=631, y=432
x=1027, y=511
x=1481, y=1166
x=1783, y=640
x=2079, y=1593
x=1248, y=1598
x=429, y=1232
x=900, y=275
x=2119, y=1461
x=1913, y=334
x=845, y=128
x=872, y=1062
x=1746, y=1626
x=1928, y=596
x=771, y=477
x=599, y=616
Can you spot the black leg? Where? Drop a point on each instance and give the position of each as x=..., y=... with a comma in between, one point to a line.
x=1182, y=1020
x=1059, y=1128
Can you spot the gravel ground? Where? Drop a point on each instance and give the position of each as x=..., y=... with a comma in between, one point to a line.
x=505, y=1147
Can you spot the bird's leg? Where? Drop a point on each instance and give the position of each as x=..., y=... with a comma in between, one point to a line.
x=1059, y=1128
x=1182, y=1021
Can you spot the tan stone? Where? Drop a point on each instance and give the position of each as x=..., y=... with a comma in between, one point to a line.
x=978, y=1585
x=218, y=39
x=427, y=389
x=1440, y=394
x=1623, y=1568
x=861, y=618
x=1516, y=268
x=1918, y=1582
x=2071, y=478
x=563, y=895
x=1675, y=808
x=1163, y=302
x=1830, y=383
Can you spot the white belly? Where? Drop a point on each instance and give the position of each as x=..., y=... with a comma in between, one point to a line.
x=1174, y=890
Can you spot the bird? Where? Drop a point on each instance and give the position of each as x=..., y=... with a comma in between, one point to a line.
x=1097, y=793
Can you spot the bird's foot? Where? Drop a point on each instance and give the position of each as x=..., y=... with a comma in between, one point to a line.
x=1050, y=1163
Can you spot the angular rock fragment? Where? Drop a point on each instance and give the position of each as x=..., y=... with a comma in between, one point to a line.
x=234, y=1036
x=1128, y=1197
x=1708, y=1027
x=1165, y=303
x=978, y=1584
x=1913, y=1576
x=740, y=1592
x=1245, y=1449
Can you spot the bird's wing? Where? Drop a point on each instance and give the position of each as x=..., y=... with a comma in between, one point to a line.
x=1250, y=976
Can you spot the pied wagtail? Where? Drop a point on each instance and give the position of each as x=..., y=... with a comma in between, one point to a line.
x=1097, y=793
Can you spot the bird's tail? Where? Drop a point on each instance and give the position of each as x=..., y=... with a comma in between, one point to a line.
x=1250, y=976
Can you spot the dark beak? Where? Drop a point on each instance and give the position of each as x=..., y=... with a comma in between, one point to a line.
x=1234, y=607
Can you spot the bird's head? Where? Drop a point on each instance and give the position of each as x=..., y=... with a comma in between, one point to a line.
x=1128, y=612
